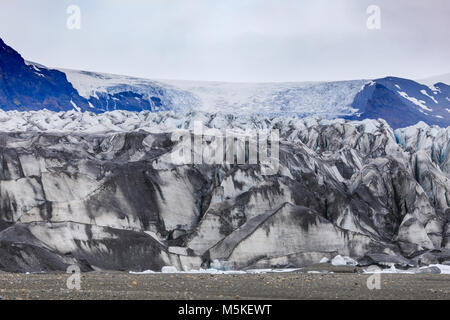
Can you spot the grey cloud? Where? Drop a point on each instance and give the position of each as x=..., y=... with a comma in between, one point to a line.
x=234, y=40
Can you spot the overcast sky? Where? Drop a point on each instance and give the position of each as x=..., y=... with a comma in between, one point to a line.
x=234, y=40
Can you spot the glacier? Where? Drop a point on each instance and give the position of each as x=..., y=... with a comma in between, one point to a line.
x=327, y=99
x=100, y=191
x=401, y=102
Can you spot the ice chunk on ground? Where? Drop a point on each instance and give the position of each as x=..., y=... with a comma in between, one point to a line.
x=429, y=270
x=444, y=268
x=324, y=260
x=343, y=261
x=143, y=272
x=169, y=269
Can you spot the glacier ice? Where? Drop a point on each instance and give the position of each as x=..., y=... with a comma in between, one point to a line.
x=101, y=192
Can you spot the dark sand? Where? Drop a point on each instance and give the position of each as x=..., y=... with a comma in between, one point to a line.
x=116, y=285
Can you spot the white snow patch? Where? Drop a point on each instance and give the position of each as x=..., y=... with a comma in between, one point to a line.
x=424, y=92
x=444, y=269
x=75, y=106
x=417, y=102
x=143, y=272
x=170, y=270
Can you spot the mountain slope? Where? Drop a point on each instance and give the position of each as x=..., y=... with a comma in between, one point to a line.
x=403, y=102
x=26, y=87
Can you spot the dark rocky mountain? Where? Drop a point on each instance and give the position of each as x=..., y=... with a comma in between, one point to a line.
x=27, y=87
x=403, y=102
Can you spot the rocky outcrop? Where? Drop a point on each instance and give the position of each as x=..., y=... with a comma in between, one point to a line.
x=114, y=200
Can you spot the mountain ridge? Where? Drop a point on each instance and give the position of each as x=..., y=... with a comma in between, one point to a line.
x=29, y=86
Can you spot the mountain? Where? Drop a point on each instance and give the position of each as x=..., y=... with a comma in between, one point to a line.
x=27, y=86
x=102, y=192
x=403, y=102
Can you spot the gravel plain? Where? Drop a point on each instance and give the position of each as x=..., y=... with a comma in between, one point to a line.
x=301, y=286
